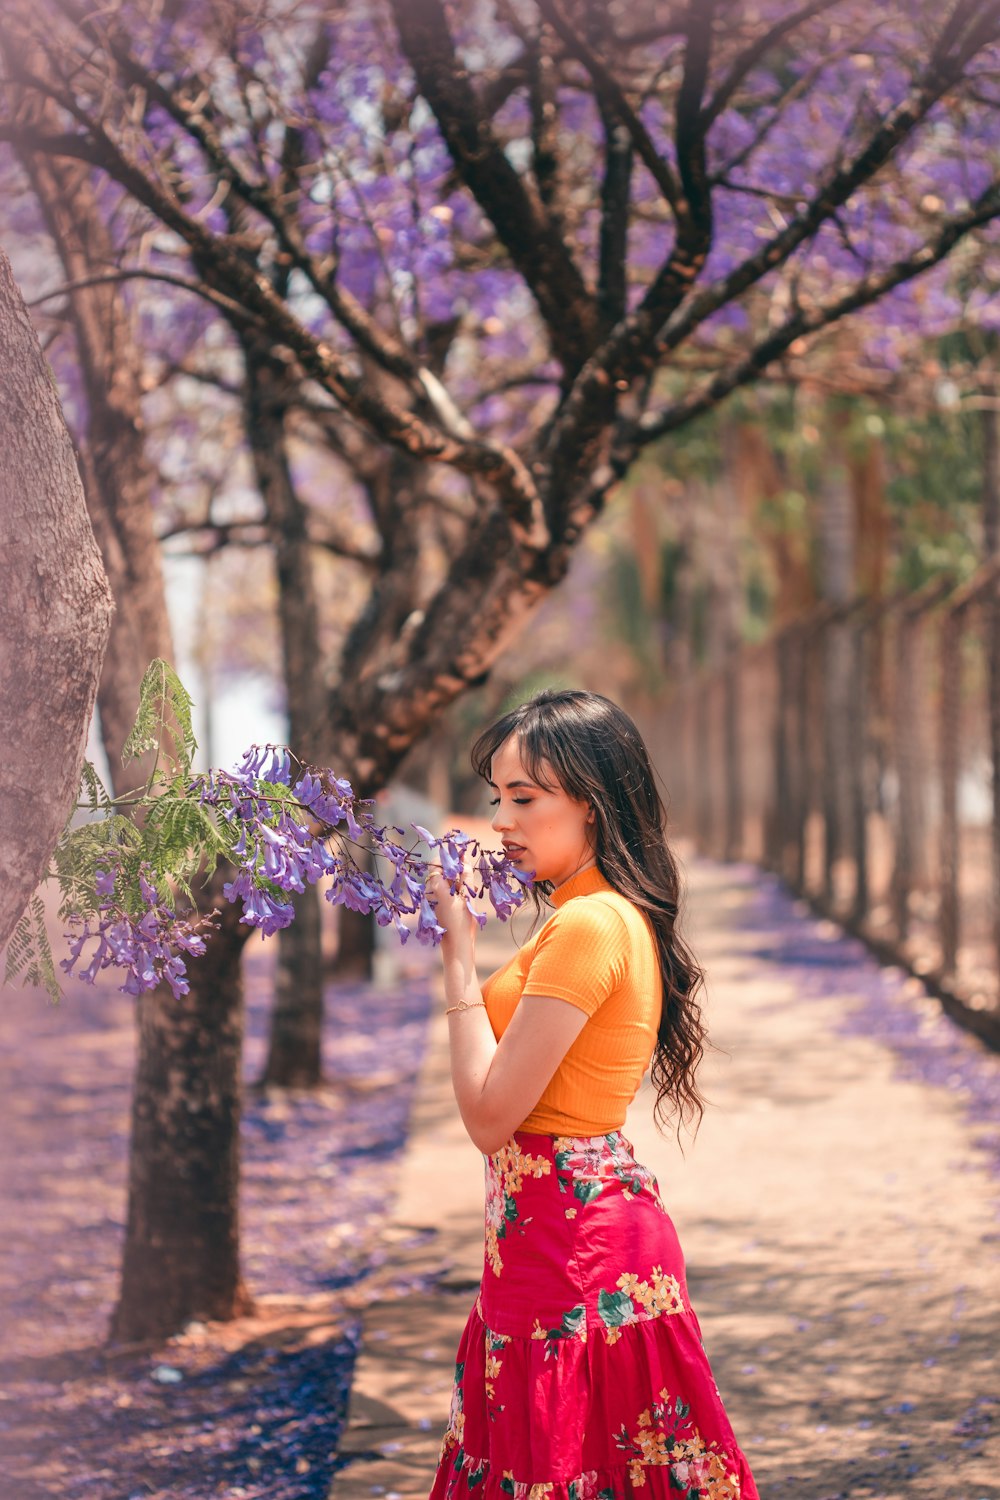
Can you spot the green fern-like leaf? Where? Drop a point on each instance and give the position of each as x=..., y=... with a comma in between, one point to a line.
x=93, y=795
x=81, y=851
x=163, y=720
x=179, y=837
x=29, y=954
x=18, y=948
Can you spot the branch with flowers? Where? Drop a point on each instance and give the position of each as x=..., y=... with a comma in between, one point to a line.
x=125, y=874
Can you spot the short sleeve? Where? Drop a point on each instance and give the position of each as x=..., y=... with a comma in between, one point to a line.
x=581, y=955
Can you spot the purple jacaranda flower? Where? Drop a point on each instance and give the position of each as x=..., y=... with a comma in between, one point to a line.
x=480, y=916
x=191, y=943
x=361, y=892
x=250, y=767
x=97, y=960
x=406, y=889
x=279, y=771
x=174, y=972
x=450, y=854
x=316, y=860
x=148, y=925
x=281, y=847
x=143, y=946
x=280, y=864
x=75, y=949
x=238, y=889
x=261, y=909
x=505, y=901
x=450, y=849
x=429, y=930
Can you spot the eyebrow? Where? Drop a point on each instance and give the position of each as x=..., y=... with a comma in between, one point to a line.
x=511, y=784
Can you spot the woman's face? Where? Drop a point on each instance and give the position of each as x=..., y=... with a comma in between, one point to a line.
x=544, y=830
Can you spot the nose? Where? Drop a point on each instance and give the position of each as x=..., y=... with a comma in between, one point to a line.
x=500, y=819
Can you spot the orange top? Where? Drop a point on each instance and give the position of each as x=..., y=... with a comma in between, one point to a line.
x=597, y=951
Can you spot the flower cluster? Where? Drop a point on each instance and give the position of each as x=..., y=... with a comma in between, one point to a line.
x=144, y=946
x=284, y=825
x=285, y=830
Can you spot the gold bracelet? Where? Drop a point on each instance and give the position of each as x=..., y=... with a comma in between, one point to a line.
x=464, y=1005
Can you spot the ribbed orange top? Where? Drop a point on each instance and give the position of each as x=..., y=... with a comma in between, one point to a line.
x=596, y=951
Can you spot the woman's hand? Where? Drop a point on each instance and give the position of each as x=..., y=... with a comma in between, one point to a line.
x=452, y=912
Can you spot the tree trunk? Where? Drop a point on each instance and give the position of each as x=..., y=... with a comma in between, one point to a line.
x=991, y=610
x=729, y=606
x=118, y=479
x=294, y=1052
x=837, y=550
x=55, y=612
x=182, y=1245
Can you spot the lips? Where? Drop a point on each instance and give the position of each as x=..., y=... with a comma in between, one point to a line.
x=513, y=851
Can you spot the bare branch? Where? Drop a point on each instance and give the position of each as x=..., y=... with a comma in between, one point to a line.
x=820, y=315
x=194, y=117
x=613, y=246
x=223, y=303
x=212, y=536
x=252, y=293
x=752, y=55
x=518, y=215
x=608, y=89
x=694, y=219
x=941, y=73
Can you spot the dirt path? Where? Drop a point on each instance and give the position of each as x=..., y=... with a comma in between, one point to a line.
x=839, y=1213
x=239, y=1411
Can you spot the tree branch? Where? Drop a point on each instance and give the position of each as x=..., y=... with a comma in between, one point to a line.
x=518, y=216
x=941, y=73
x=194, y=119
x=820, y=315
x=752, y=55
x=607, y=88
x=217, y=299
x=694, y=220
x=219, y=534
x=252, y=292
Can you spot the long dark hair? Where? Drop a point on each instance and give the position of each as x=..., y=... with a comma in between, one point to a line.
x=597, y=755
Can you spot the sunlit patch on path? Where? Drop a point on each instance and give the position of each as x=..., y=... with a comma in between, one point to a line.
x=837, y=1210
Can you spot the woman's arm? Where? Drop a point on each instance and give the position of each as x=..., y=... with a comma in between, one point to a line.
x=497, y=1084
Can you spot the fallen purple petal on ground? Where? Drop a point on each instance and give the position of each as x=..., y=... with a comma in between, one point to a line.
x=192, y=1419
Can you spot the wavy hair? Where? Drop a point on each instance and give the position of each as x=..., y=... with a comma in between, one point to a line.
x=597, y=755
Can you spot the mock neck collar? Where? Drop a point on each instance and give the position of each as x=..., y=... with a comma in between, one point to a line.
x=584, y=883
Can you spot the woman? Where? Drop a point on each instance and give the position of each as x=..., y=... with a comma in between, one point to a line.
x=581, y=1373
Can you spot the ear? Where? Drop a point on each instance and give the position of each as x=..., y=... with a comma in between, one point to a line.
x=591, y=815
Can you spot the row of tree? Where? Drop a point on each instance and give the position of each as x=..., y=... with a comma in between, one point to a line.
x=441, y=275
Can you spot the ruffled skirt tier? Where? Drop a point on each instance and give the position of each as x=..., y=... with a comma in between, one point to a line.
x=581, y=1373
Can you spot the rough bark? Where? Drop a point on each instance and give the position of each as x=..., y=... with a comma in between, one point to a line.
x=182, y=1247
x=294, y=1056
x=118, y=479
x=55, y=612
x=837, y=571
x=176, y=1262
x=991, y=548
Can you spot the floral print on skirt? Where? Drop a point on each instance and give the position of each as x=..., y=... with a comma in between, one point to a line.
x=581, y=1373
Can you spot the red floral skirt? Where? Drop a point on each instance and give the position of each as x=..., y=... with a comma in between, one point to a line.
x=581, y=1373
